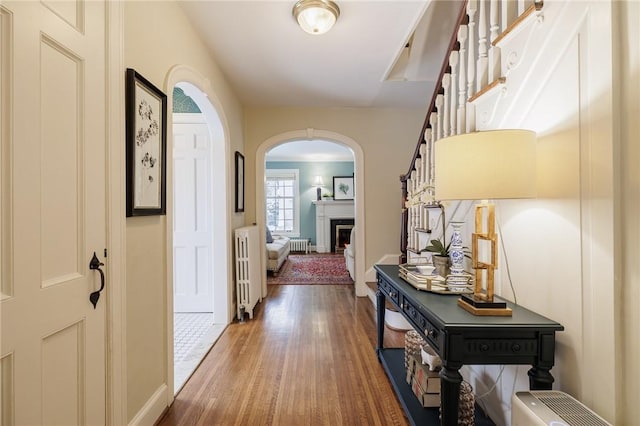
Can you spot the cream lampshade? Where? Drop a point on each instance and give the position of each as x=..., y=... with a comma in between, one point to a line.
x=497, y=164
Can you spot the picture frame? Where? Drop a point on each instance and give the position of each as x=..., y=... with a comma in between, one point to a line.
x=146, y=146
x=239, y=180
x=343, y=188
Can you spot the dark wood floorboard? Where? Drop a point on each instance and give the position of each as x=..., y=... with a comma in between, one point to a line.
x=307, y=358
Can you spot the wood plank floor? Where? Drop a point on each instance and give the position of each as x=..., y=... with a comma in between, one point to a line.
x=307, y=358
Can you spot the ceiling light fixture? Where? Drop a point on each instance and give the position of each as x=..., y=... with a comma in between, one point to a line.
x=316, y=16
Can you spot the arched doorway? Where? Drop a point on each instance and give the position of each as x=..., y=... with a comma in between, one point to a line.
x=312, y=134
x=208, y=262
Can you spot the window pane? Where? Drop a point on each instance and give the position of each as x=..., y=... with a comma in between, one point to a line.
x=281, y=200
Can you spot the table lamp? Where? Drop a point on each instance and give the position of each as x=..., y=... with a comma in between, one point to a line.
x=318, y=183
x=488, y=165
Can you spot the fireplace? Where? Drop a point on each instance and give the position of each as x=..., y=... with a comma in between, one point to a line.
x=326, y=211
x=340, y=234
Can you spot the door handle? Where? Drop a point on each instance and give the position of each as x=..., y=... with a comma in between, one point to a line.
x=95, y=264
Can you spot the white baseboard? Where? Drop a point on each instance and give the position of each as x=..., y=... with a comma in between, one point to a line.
x=150, y=413
x=387, y=259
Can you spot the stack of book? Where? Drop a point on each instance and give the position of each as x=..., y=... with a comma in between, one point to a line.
x=424, y=382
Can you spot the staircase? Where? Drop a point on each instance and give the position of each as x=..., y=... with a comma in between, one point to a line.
x=472, y=69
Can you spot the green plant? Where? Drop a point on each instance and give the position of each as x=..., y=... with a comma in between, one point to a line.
x=438, y=248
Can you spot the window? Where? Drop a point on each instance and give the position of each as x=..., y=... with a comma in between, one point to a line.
x=283, y=202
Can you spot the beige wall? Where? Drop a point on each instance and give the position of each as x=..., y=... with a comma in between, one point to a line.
x=628, y=251
x=158, y=37
x=387, y=137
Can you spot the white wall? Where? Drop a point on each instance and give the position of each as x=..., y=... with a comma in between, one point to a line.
x=157, y=38
x=560, y=246
x=627, y=112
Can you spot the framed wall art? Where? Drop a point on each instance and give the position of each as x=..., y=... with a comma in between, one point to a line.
x=239, y=182
x=146, y=139
x=343, y=188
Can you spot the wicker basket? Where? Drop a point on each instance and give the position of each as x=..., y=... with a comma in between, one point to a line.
x=412, y=344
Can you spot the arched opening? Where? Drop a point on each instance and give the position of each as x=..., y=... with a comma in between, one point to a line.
x=197, y=268
x=313, y=134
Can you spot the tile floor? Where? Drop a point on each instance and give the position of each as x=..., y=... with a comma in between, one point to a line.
x=193, y=336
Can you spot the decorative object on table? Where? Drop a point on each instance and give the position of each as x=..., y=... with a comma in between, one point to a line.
x=456, y=254
x=435, y=283
x=425, y=269
x=146, y=136
x=430, y=358
x=239, y=180
x=440, y=257
x=318, y=184
x=343, y=188
x=498, y=164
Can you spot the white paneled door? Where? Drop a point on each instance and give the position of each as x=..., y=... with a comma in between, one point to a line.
x=52, y=178
x=192, y=215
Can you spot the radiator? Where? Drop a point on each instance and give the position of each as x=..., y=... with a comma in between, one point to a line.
x=299, y=245
x=248, y=276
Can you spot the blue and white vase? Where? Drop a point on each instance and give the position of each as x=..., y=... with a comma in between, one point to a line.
x=456, y=254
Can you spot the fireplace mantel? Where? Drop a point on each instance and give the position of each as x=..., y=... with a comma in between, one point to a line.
x=325, y=211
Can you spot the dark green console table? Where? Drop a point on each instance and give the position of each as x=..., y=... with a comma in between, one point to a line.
x=461, y=338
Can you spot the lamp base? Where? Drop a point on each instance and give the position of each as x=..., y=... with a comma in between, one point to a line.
x=476, y=305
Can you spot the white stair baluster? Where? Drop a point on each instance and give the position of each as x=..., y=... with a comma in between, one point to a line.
x=453, y=116
x=472, y=8
x=482, y=46
x=462, y=98
x=494, y=52
x=427, y=157
x=439, y=102
x=423, y=165
x=508, y=13
x=446, y=84
x=433, y=121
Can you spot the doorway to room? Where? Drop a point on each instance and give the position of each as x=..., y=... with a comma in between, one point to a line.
x=299, y=196
x=361, y=288
x=194, y=327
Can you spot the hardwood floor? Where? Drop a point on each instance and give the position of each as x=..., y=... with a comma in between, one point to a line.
x=307, y=358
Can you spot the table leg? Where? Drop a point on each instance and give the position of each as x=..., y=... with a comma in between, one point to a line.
x=450, y=395
x=540, y=378
x=380, y=301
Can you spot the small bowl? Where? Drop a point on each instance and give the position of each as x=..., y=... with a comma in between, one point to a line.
x=425, y=269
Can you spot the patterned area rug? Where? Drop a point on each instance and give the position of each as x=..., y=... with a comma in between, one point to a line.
x=312, y=269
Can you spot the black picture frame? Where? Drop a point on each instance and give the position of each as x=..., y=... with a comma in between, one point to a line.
x=239, y=182
x=343, y=188
x=146, y=147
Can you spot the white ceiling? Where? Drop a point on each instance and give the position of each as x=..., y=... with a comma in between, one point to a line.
x=270, y=61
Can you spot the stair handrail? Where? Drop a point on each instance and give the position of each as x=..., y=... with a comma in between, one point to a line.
x=453, y=45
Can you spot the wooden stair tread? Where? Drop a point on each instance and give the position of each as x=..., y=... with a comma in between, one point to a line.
x=512, y=26
x=495, y=83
